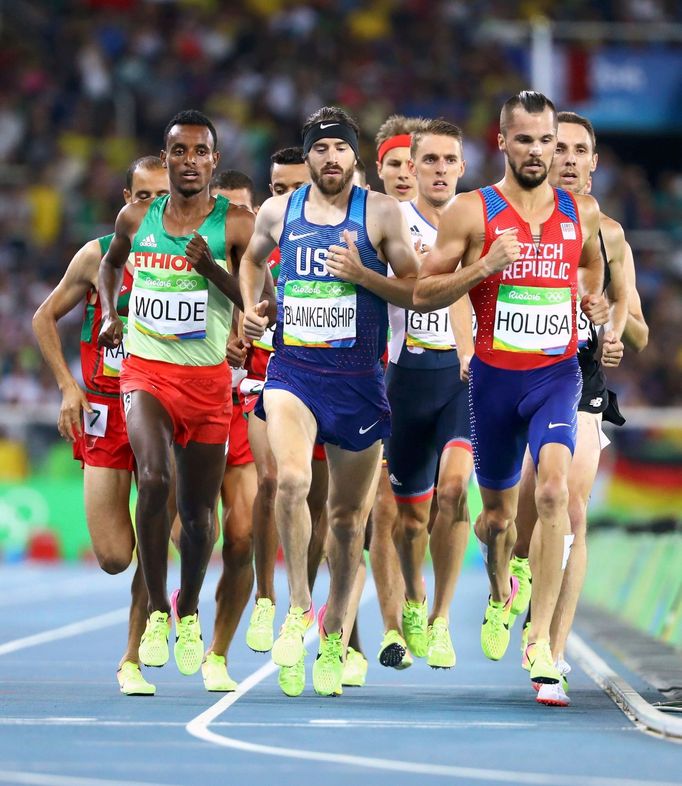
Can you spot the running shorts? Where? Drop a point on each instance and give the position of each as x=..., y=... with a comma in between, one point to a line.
x=198, y=399
x=511, y=409
x=351, y=409
x=104, y=441
x=430, y=413
x=238, y=450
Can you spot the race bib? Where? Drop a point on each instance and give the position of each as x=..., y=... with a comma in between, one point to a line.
x=113, y=357
x=429, y=331
x=319, y=314
x=265, y=341
x=172, y=308
x=95, y=422
x=584, y=326
x=533, y=319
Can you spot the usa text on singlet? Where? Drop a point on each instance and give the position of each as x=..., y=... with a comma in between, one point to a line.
x=322, y=320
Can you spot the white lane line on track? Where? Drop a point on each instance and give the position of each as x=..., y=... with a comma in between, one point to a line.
x=51, y=591
x=50, y=779
x=66, y=631
x=198, y=727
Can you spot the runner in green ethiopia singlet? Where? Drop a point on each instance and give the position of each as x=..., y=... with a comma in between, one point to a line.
x=175, y=314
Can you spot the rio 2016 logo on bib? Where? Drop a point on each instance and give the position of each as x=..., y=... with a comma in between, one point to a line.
x=537, y=320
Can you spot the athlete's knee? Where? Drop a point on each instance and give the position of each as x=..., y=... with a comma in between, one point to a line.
x=577, y=513
x=551, y=495
x=113, y=562
x=293, y=485
x=237, y=548
x=452, y=498
x=347, y=529
x=412, y=525
x=267, y=485
x=153, y=485
x=496, y=520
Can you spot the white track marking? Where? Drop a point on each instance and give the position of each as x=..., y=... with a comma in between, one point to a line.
x=52, y=591
x=66, y=631
x=198, y=727
x=43, y=779
x=624, y=696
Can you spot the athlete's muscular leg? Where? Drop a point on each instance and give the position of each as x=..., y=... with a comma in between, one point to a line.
x=450, y=533
x=383, y=554
x=547, y=545
x=200, y=471
x=236, y=581
x=581, y=477
x=411, y=538
x=265, y=538
x=495, y=527
x=292, y=429
x=151, y=432
x=317, y=503
x=527, y=513
x=107, y=511
x=350, y=482
x=137, y=617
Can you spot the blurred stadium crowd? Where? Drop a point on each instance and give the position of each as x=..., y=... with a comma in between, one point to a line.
x=90, y=84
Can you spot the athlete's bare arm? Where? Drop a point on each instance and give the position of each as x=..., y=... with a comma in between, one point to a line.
x=238, y=231
x=80, y=277
x=462, y=329
x=253, y=270
x=636, y=333
x=111, y=271
x=454, y=266
x=614, y=241
x=387, y=223
x=593, y=303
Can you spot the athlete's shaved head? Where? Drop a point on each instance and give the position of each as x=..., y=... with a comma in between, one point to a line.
x=528, y=100
x=146, y=162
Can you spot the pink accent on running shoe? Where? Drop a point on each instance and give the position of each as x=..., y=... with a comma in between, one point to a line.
x=514, y=591
x=174, y=603
x=320, y=618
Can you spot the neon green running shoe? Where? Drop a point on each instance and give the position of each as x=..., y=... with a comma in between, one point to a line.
x=132, y=681
x=520, y=568
x=524, y=645
x=354, y=669
x=154, y=642
x=291, y=679
x=328, y=666
x=495, y=627
x=393, y=650
x=440, y=653
x=214, y=672
x=189, y=645
x=287, y=650
x=543, y=670
x=415, y=623
x=259, y=635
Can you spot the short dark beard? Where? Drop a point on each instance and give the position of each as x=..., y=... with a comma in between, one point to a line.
x=527, y=181
x=337, y=189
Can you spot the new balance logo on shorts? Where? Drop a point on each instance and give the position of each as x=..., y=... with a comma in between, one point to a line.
x=149, y=241
x=596, y=402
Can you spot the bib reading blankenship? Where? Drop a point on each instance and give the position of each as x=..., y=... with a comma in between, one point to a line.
x=176, y=315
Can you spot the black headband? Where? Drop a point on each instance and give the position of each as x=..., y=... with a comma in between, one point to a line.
x=332, y=129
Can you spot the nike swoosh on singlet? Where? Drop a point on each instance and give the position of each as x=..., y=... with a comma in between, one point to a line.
x=292, y=236
x=363, y=430
x=555, y=425
x=328, y=125
x=502, y=231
